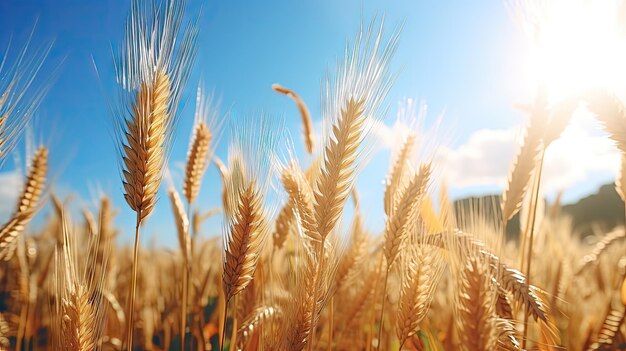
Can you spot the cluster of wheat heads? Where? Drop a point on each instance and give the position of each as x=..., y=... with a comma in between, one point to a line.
x=296, y=267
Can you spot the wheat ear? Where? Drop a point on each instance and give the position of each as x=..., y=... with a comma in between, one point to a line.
x=79, y=309
x=402, y=212
x=610, y=330
x=247, y=223
x=254, y=322
x=397, y=172
x=560, y=116
x=607, y=241
x=397, y=226
x=4, y=333
x=152, y=69
x=283, y=224
x=182, y=229
x=305, y=115
x=300, y=325
x=475, y=306
x=335, y=181
x=523, y=166
x=144, y=153
x=196, y=161
x=27, y=203
x=200, y=146
x=244, y=241
x=349, y=263
x=420, y=274
x=300, y=196
x=611, y=112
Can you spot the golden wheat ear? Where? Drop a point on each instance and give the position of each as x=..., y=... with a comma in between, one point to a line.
x=79, y=311
x=525, y=161
x=403, y=211
x=207, y=125
x=27, y=205
x=250, y=160
x=152, y=71
x=153, y=67
x=351, y=101
x=474, y=306
x=421, y=271
x=610, y=111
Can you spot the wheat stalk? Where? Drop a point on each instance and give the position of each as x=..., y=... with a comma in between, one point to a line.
x=153, y=67
x=247, y=228
x=182, y=229
x=305, y=115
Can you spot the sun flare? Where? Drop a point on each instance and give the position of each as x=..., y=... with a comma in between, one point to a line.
x=576, y=45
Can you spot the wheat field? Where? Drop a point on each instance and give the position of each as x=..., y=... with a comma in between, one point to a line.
x=294, y=266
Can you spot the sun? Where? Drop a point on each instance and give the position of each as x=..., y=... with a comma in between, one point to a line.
x=575, y=45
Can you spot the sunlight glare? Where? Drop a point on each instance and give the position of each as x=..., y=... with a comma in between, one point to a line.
x=576, y=45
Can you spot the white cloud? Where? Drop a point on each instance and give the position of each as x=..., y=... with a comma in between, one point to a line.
x=10, y=186
x=484, y=160
x=580, y=152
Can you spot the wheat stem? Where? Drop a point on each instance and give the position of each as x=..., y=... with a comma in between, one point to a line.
x=532, y=215
x=233, y=335
x=316, y=287
x=382, y=309
x=133, y=285
x=372, y=320
x=183, y=318
x=223, y=324
x=331, y=324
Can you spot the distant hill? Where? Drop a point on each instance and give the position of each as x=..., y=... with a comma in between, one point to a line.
x=604, y=210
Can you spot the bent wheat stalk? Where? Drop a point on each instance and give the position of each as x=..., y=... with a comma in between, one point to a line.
x=307, y=122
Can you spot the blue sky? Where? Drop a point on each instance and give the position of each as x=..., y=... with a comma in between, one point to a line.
x=461, y=57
